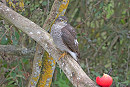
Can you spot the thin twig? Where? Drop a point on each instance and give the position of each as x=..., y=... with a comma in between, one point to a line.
x=4, y=33
x=9, y=74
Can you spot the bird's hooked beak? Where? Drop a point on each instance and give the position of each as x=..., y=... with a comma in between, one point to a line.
x=65, y=21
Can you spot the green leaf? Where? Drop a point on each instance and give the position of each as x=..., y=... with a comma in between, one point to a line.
x=5, y=65
x=125, y=82
x=40, y=2
x=25, y=61
x=9, y=78
x=15, y=42
x=95, y=73
x=20, y=66
x=44, y=3
x=27, y=2
x=17, y=35
x=4, y=41
x=107, y=65
x=103, y=47
x=36, y=6
x=10, y=86
x=9, y=83
x=61, y=83
x=13, y=74
x=20, y=76
x=101, y=4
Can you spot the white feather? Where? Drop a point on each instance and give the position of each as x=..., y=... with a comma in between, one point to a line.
x=73, y=54
x=76, y=42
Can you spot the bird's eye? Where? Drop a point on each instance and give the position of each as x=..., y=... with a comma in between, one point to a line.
x=61, y=20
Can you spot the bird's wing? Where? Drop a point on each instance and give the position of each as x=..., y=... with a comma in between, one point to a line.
x=69, y=39
x=71, y=30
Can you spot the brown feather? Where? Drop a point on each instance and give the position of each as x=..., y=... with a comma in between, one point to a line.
x=68, y=37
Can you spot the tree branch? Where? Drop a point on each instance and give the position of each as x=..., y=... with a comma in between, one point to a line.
x=70, y=67
x=16, y=50
x=37, y=65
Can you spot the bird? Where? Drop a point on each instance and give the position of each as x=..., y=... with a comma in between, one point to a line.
x=64, y=37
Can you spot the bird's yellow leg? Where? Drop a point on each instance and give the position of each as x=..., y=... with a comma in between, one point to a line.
x=63, y=55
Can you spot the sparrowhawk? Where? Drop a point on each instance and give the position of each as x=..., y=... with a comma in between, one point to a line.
x=64, y=37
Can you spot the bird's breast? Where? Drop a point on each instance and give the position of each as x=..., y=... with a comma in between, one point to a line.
x=57, y=38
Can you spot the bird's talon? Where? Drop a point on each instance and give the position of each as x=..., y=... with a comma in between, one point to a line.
x=63, y=55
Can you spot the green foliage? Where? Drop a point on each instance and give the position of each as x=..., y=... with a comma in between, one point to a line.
x=14, y=72
x=61, y=80
x=5, y=40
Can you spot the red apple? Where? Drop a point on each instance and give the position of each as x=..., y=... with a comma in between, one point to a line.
x=104, y=81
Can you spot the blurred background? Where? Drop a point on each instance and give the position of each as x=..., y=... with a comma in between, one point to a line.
x=103, y=33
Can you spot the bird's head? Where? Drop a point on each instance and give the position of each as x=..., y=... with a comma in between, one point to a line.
x=61, y=20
